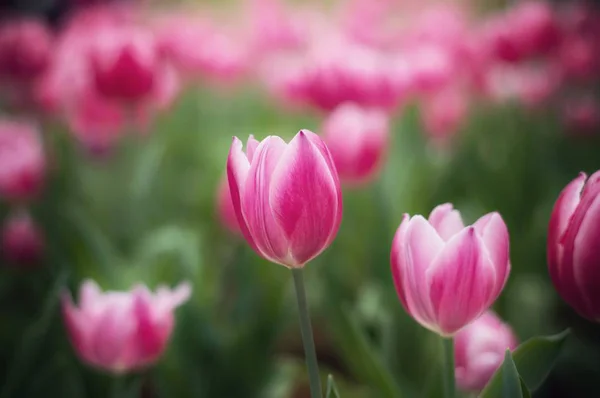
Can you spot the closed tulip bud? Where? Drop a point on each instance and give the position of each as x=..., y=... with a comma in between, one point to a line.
x=287, y=197
x=225, y=208
x=121, y=332
x=22, y=241
x=479, y=350
x=22, y=161
x=446, y=275
x=357, y=138
x=573, y=249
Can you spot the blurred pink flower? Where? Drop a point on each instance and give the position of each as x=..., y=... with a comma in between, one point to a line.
x=22, y=241
x=22, y=161
x=273, y=27
x=446, y=275
x=573, y=250
x=582, y=115
x=357, y=139
x=444, y=113
x=25, y=49
x=287, y=197
x=479, y=350
x=121, y=332
x=197, y=48
x=524, y=31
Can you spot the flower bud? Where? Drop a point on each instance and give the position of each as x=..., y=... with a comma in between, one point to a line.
x=446, y=275
x=287, y=197
x=479, y=350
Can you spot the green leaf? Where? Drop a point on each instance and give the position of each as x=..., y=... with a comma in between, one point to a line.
x=511, y=382
x=332, y=391
x=533, y=359
x=524, y=390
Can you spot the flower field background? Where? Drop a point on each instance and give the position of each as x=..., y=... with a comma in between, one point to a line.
x=114, y=138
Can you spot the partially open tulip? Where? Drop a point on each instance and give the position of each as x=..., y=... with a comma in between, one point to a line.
x=22, y=241
x=22, y=161
x=357, y=138
x=573, y=249
x=122, y=332
x=287, y=197
x=446, y=274
x=479, y=350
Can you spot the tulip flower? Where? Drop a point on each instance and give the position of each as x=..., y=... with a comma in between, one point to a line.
x=121, y=332
x=479, y=350
x=287, y=197
x=357, y=139
x=22, y=161
x=446, y=274
x=573, y=250
x=22, y=241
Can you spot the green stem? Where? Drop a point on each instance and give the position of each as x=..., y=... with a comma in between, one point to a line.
x=116, y=387
x=448, y=371
x=307, y=336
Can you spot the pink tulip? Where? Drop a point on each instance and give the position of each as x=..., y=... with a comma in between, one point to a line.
x=125, y=62
x=22, y=241
x=225, y=208
x=287, y=197
x=447, y=275
x=25, y=50
x=479, y=350
x=357, y=138
x=22, y=161
x=573, y=250
x=122, y=332
x=443, y=113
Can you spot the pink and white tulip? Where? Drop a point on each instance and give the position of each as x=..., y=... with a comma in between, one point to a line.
x=358, y=139
x=446, y=275
x=22, y=161
x=479, y=350
x=287, y=197
x=573, y=250
x=122, y=332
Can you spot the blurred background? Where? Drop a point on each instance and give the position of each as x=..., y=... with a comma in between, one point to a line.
x=116, y=123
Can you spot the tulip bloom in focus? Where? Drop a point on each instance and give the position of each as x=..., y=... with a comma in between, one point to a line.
x=22, y=161
x=287, y=197
x=479, y=350
x=122, y=331
x=22, y=241
x=573, y=249
x=446, y=274
x=357, y=139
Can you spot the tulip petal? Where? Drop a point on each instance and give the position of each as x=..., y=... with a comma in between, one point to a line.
x=251, y=146
x=111, y=335
x=422, y=246
x=397, y=256
x=586, y=258
x=562, y=217
x=494, y=234
x=305, y=198
x=462, y=282
x=266, y=232
x=237, y=173
x=446, y=221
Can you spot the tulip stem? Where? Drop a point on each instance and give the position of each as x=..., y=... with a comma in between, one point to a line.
x=307, y=336
x=116, y=386
x=448, y=371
